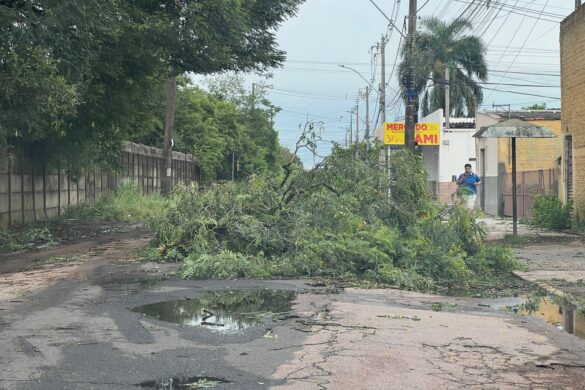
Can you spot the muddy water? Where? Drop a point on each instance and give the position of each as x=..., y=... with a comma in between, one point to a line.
x=182, y=383
x=227, y=311
x=564, y=318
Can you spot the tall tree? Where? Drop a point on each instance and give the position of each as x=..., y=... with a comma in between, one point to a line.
x=73, y=76
x=211, y=36
x=440, y=46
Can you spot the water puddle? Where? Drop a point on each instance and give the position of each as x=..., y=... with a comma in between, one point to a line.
x=565, y=318
x=197, y=382
x=226, y=311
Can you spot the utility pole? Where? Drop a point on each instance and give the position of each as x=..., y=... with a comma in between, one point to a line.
x=385, y=157
x=367, y=131
x=383, y=79
x=577, y=4
x=447, y=98
x=350, y=127
x=357, y=128
x=253, y=97
x=165, y=181
x=411, y=96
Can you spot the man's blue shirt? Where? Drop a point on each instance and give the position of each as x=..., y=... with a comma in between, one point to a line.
x=469, y=183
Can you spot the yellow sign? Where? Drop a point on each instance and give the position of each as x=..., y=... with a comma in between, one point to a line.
x=424, y=134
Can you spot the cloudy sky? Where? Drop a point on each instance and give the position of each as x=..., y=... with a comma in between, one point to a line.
x=522, y=38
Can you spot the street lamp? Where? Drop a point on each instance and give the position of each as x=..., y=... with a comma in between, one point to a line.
x=367, y=97
x=369, y=84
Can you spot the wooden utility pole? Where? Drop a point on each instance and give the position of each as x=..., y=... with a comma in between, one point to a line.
x=166, y=176
x=411, y=98
x=577, y=4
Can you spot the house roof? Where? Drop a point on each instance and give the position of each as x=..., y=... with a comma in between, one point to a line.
x=528, y=115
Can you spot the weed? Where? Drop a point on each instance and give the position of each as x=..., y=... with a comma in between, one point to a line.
x=549, y=212
x=25, y=237
x=126, y=205
x=533, y=301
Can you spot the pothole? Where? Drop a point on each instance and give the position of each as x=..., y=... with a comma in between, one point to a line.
x=191, y=383
x=226, y=311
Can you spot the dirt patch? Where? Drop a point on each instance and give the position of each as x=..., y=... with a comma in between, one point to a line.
x=24, y=272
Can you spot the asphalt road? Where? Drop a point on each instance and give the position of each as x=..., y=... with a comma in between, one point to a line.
x=78, y=331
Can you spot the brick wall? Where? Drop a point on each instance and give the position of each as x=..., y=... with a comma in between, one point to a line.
x=573, y=101
x=445, y=192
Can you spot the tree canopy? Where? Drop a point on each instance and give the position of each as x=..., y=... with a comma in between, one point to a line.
x=226, y=128
x=444, y=45
x=78, y=78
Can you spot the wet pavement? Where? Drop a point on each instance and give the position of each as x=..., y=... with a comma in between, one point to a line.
x=111, y=323
x=86, y=334
x=227, y=311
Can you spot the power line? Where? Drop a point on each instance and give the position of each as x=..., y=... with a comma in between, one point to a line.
x=523, y=11
x=526, y=40
x=522, y=93
x=386, y=16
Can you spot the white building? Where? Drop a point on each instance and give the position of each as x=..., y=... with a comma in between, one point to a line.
x=447, y=160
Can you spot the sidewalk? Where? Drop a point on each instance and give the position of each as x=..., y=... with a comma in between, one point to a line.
x=554, y=260
x=498, y=228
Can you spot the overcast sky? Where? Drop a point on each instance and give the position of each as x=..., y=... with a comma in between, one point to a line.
x=522, y=38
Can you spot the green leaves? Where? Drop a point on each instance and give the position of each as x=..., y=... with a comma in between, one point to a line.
x=440, y=46
x=340, y=223
x=549, y=212
x=78, y=78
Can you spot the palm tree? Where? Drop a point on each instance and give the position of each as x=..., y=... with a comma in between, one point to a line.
x=439, y=46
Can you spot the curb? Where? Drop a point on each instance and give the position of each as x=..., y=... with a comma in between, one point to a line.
x=545, y=286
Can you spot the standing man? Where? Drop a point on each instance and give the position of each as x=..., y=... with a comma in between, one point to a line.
x=468, y=182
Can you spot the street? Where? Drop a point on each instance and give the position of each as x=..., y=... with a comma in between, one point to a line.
x=75, y=328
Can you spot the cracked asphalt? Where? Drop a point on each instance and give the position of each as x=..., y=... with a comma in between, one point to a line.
x=75, y=329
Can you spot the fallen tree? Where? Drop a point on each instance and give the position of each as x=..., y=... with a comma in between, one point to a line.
x=345, y=218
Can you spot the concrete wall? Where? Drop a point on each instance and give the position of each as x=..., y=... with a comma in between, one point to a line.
x=31, y=191
x=487, y=149
x=573, y=102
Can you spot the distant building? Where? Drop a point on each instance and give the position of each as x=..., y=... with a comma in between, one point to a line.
x=446, y=161
x=573, y=103
x=537, y=160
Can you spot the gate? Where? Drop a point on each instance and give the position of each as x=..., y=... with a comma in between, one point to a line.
x=528, y=184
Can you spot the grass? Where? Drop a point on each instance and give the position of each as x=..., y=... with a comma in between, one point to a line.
x=128, y=204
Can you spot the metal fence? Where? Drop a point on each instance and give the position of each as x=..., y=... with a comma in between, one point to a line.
x=31, y=191
x=528, y=184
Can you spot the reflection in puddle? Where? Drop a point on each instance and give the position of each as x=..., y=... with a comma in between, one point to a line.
x=182, y=383
x=226, y=311
x=564, y=318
